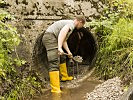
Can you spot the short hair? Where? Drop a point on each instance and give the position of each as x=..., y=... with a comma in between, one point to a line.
x=81, y=18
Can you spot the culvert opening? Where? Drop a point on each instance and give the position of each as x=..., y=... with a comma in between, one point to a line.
x=81, y=42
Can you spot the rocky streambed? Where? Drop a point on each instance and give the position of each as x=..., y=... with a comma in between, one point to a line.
x=87, y=88
x=111, y=89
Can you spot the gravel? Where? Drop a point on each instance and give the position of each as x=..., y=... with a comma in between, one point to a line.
x=109, y=90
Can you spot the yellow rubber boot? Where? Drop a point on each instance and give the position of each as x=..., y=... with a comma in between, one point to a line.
x=63, y=71
x=54, y=81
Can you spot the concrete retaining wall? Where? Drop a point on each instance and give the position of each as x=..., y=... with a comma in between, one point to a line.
x=34, y=16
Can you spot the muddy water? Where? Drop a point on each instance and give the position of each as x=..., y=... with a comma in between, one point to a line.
x=76, y=93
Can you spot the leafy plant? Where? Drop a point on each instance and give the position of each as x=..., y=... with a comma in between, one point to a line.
x=115, y=37
x=17, y=85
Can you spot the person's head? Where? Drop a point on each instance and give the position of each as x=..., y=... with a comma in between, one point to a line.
x=79, y=21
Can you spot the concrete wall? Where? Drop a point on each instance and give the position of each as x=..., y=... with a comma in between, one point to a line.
x=34, y=16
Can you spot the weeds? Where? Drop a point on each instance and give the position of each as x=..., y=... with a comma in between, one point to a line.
x=15, y=84
x=115, y=36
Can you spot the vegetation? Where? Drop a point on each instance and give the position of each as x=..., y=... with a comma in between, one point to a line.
x=15, y=84
x=115, y=36
x=115, y=58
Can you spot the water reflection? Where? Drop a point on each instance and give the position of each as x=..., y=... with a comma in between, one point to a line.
x=65, y=95
x=56, y=96
x=77, y=93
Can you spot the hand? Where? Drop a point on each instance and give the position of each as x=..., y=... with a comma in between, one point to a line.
x=60, y=51
x=70, y=55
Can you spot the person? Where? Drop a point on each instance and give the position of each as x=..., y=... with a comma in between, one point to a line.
x=54, y=40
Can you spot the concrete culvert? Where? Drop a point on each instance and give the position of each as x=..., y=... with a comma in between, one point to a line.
x=81, y=42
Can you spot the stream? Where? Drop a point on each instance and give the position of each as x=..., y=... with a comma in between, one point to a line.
x=72, y=93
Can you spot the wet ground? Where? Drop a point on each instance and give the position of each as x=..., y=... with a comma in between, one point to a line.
x=76, y=91
x=85, y=87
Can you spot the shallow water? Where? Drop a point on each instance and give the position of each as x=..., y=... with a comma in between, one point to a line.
x=77, y=93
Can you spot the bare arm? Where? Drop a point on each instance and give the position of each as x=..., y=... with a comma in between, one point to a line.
x=61, y=37
x=65, y=45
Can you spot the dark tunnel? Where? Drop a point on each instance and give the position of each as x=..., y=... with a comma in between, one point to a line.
x=81, y=42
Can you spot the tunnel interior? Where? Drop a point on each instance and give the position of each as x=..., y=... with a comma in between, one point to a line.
x=80, y=42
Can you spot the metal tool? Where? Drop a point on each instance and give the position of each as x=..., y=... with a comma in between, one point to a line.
x=77, y=60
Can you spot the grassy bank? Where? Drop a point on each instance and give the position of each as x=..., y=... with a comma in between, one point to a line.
x=114, y=32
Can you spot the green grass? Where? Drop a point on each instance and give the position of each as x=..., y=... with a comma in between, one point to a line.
x=115, y=37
